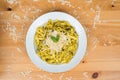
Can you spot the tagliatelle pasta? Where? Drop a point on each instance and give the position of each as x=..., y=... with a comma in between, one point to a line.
x=56, y=42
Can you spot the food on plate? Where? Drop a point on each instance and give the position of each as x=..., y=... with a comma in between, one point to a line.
x=56, y=42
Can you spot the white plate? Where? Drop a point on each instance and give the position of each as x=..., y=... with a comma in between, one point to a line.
x=81, y=45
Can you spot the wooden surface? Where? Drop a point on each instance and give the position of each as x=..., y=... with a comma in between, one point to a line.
x=100, y=18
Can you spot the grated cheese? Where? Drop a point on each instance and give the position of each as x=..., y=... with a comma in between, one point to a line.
x=56, y=46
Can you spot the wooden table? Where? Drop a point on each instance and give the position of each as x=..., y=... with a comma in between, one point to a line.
x=100, y=18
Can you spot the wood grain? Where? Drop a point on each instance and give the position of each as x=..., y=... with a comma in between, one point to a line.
x=100, y=19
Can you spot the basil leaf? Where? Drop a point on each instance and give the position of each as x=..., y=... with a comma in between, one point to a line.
x=55, y=39
x=58, y=37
